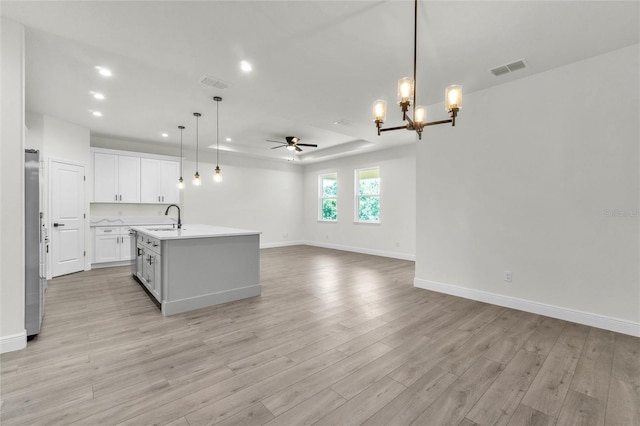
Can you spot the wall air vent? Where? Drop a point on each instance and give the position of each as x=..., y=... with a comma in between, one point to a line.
x=505, y=69
x=211, y=81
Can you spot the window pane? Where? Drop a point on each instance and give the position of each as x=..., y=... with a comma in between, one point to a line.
x=369, y=209
x=370, y=186
x=329, y=210
x=329, y=186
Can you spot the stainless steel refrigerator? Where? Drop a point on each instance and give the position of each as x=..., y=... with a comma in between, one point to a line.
x=35, y=245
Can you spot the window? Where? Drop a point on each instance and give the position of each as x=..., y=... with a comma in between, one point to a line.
x=328, y=190
x=368, y=195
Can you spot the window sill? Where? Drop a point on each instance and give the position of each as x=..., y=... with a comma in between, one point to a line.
x=355, y=222
x=327, y=221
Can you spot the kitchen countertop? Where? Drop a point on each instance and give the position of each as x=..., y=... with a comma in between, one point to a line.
x=191, y=231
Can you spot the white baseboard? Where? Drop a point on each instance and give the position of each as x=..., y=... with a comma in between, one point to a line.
x=394, y=255
x=13, y=342
x=281, y=244
x=580, y=317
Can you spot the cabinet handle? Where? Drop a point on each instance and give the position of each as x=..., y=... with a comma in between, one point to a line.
x=163, y=198
x=120, y=197
x=116, y=197
x=139, y=251
x=106, y=230
x=158, y=198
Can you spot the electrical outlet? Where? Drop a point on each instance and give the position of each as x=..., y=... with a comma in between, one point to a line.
x=507, y=276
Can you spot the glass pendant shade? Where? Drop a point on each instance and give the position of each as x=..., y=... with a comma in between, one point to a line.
x=405, y=90
x=196, y=180
x=379, y=110
x=420, y=115
x=217, y=176
x=453, y=98
x=180, y=183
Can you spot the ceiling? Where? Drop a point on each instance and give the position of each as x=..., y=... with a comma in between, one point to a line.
x=317, y=65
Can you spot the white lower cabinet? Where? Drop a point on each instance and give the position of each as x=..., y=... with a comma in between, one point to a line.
x=148, y=265
x=112, y=244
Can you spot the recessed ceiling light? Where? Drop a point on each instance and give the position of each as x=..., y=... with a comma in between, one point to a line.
x=97, y=113
x=245, y=66
x=228, y=139
x=97, y=95
x=165, y=135
x=105, y=72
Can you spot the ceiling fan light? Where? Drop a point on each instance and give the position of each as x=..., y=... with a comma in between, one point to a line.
x=453, y=98
x=405, y=90
x=291, y=147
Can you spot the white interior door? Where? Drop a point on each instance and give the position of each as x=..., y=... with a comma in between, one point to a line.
x=67, y=218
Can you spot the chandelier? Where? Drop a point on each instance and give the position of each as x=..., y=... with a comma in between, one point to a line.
x=407, y=97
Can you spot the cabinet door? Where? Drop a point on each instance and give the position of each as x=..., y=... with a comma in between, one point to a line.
x=139, y=254
x=107, y=248
x=105, y=178
x=169, y=174
x=128, y=179
x=125, y=247
x=149, y=181
x=157, y=274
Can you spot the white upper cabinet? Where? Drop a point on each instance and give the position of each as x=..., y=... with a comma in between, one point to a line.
x=116, y=178
x=159, y=181
x=131, y=177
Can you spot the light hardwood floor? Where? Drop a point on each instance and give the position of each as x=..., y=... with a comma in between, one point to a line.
x=336, y=338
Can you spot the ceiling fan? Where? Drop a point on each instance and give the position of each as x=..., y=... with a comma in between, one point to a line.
x=292, y=144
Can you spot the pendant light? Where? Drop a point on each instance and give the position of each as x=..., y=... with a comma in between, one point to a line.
x=407, y=97
x=196, y=177
x=181, y=181
x=217, y=176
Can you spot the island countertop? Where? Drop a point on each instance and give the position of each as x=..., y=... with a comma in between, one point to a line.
x=191, y=231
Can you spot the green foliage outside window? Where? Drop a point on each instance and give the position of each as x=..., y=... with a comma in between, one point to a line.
x=368, y=197
x=329, y=209
x=328, y=197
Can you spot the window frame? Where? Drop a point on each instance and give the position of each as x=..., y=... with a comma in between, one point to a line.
x=357, y=195
x=322, y=197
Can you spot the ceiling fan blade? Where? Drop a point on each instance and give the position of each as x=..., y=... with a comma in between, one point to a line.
x=269, y=140
x=276, y=147
x=298, y=149
x=307, y=144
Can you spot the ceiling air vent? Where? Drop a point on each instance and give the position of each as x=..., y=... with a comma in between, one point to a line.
x=505, y=69
x=211, y=81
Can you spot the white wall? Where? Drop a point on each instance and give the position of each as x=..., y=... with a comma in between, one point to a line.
x=252, y=196
x=526, y=182
x=394, y=236
x=258, y=194
x=12, y=332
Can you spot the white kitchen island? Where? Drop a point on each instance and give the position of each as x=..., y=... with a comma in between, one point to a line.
x=197, y=266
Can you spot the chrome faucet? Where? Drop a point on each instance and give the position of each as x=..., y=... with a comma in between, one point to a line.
x=177, y=207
